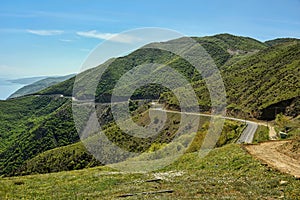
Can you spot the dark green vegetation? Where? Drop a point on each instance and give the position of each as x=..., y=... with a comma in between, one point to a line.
x=32, y=125
x=227, y=172
x=261, y=79
x=70, y=157
x=39, y=85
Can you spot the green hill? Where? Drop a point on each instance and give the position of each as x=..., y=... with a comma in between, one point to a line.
x=26, y=81
x=281, y=41
x=39, y=85
x=222, y=48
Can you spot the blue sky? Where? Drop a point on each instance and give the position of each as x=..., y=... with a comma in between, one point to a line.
x=54, y=37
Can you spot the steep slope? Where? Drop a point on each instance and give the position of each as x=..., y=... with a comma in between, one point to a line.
x=39, y=85
x=32, y=125
x=260, y=85
x=265, y=79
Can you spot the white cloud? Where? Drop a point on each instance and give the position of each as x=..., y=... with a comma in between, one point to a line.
x=65, y=40
x=95, y=34
x=45, y=32
x=122, y=38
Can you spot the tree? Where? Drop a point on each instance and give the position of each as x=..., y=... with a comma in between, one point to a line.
x=281, y=121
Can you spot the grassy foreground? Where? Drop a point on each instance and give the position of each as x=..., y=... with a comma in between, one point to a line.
x=227, y=172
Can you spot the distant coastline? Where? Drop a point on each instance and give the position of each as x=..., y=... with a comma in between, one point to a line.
x=7, y=88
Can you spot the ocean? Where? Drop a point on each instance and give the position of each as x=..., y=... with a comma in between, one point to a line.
x=7, y=88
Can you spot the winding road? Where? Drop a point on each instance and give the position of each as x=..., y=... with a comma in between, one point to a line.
x=246, y=136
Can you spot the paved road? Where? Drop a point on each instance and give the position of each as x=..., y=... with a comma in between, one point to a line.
x=248, y=133
x=246, y=136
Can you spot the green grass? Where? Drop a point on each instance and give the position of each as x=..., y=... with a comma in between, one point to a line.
x=261, y=134
x=227, y=172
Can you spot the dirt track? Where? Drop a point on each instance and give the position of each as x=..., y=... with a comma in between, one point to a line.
x=269, y=153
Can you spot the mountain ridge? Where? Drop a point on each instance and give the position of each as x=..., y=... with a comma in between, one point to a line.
x=39, y=85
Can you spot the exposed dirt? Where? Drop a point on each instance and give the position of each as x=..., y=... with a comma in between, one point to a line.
x=291, y=149
x=271, y=153
x=272, y=133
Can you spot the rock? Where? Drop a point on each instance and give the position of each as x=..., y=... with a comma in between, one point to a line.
x=283, y=182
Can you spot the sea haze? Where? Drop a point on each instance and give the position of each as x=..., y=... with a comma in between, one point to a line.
x=7, y=88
